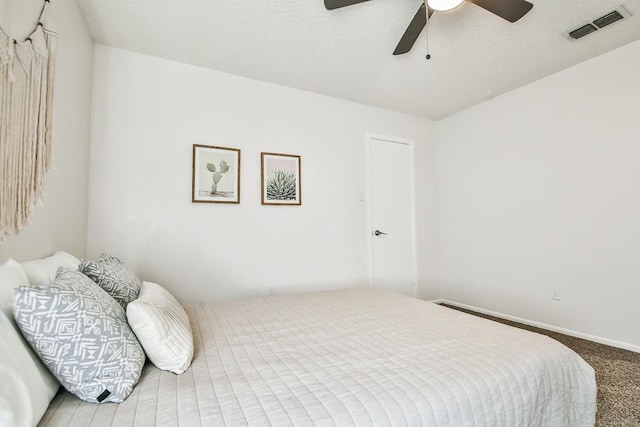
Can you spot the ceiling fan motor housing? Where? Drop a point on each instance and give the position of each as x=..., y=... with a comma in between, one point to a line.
x=444, y=5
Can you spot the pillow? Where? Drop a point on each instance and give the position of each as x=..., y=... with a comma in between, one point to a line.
x=11, y=276
x=162, y=326
x=81, y=334
x=26, y=385
x=24, y=392
x=114, y=277
x=42, y=271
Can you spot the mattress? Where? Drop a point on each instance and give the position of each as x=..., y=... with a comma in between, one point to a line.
x=357, y=357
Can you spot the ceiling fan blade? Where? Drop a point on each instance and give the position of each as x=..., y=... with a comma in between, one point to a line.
x=336, y=4
x=511, y=10
x=413, y=31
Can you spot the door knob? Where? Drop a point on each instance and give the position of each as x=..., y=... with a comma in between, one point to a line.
x=379, y=233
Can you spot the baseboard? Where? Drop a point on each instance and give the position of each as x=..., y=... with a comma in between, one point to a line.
x=589, y=337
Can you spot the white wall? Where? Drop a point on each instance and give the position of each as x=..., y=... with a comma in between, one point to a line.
x=147, y=113
x=60, y=224
x=430, y=285
x=540, y=188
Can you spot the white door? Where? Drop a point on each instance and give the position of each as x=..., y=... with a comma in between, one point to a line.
x=392, y=228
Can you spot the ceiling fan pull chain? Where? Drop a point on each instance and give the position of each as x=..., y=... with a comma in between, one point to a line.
x=426, y=31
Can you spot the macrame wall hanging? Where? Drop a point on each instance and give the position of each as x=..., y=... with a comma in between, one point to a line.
x=26, y=95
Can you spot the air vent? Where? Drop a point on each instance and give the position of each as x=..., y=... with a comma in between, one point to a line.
x=608, y=19
x=579, y=33
x=587, y=28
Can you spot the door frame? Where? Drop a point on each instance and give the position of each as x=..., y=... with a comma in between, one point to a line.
x=369, y=221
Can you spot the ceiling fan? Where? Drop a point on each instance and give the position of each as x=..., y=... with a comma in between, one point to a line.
x=511, y=10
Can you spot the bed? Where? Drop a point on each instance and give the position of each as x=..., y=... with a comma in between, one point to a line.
x=354, y=357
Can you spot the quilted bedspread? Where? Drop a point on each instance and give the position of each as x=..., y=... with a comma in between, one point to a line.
x=356, y=357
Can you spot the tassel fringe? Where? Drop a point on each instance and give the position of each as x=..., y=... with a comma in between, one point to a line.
x=26, y=97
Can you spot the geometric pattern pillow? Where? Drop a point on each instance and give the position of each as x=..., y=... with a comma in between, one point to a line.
x=81, y=334
x=114, y=277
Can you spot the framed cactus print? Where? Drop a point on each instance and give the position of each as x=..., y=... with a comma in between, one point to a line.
x=281, y=179
x=216, y=174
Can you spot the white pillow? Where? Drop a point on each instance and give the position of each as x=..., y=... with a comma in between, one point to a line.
x=34, y=384
x=25, y=389
x=11, y=277
x=15, y=410
x=162, y=327
x=41, y=272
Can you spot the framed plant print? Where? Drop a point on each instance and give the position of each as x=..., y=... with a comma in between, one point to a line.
x=281, y=179
x=216, y=174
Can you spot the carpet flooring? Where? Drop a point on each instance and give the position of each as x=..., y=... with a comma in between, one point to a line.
x=617, y=375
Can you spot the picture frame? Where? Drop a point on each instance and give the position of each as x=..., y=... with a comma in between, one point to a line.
x=281, y=179
x=216, y=174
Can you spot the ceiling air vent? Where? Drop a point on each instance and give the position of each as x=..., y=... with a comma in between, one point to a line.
x=578, y=33
x=616, y=15
x=608, y=19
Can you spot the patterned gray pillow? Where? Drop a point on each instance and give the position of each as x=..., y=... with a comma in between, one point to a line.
x=114, y=277
x=82, y=335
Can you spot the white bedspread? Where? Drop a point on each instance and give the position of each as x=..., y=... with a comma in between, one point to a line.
x=355, y=357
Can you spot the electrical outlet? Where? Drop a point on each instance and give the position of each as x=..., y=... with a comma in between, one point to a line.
x=555, y=294
x=271, y=291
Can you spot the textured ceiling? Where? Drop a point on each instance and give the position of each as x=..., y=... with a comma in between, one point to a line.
x=346, y=53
